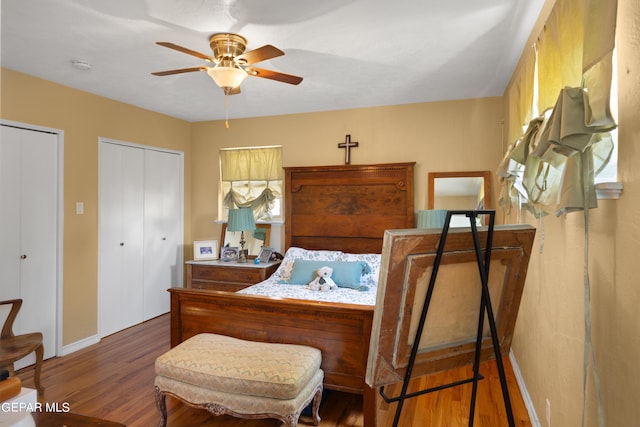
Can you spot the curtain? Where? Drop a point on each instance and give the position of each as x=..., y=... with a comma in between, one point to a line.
x=560, y=51
x=599, y=42
x=251, y=164
x=521, y=95
x=561, y=151
x=251, y=177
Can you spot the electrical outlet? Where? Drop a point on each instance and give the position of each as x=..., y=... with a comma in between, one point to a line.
x=548, y=412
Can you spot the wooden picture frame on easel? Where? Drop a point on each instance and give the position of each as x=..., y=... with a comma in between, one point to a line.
x=449, y=338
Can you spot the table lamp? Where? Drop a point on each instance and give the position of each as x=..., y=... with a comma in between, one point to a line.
x=241, y=220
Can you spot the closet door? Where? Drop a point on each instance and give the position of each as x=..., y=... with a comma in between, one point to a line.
x=162, y=229
x=121, y=237
x=29, y=229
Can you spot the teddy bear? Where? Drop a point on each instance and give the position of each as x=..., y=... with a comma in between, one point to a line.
x=323, y=281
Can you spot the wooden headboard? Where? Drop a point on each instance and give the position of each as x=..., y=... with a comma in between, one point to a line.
x=347, y=207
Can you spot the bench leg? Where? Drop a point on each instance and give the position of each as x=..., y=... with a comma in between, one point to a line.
x=315, y=409
x=291, y=420
x=162, y=407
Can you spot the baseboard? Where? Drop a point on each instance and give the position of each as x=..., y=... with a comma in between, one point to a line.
x=535, y=422
x=79, y=345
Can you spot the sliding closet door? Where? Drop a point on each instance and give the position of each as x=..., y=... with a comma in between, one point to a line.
x=29, y=229
x=141, y=223
x=162, y=229
x=121, y=237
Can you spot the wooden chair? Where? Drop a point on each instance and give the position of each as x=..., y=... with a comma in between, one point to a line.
x=15, y=347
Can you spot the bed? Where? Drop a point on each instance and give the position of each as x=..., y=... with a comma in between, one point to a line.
x=342, y=210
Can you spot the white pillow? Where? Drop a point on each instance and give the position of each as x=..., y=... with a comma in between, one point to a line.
x=286, y=266
x=373, y=260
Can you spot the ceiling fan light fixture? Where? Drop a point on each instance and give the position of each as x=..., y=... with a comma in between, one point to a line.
x=230, y=61
x=227, y=76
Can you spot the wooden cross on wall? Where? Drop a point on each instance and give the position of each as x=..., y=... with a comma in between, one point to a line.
x=347, y=145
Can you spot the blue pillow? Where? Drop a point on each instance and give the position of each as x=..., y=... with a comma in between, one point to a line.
x=345, y=274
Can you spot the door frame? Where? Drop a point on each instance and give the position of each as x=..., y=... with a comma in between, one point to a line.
x=60, y=221
x=104, y=140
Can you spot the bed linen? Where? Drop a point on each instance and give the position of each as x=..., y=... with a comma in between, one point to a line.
x=277, y=286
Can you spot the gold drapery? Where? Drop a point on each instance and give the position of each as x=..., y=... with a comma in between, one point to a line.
x=251, y=164
x=521, y=96
x=558, y=162
x=251, y=177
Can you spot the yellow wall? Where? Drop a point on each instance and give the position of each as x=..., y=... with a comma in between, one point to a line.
x=84, y=118
x=438, y=136
x=549, y=337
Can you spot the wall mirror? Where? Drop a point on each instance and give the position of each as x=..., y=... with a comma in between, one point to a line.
x=460, y=191
x=255, y=240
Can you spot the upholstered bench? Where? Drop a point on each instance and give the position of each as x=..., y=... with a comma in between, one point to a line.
x=246, y=379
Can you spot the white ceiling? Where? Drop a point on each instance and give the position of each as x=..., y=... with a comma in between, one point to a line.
x=351, y=53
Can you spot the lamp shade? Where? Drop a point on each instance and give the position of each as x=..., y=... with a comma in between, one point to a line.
x=241, y=220
x=227, y=76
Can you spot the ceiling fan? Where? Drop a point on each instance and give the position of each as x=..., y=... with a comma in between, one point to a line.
x=232, y=63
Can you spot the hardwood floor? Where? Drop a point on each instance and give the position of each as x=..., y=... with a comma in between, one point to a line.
x=113, y=380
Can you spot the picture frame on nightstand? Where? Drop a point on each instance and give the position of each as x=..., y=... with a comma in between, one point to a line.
x=205, y=250
x=229, y=253
x=265, y=254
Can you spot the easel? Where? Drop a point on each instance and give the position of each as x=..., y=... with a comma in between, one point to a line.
x=485, y=304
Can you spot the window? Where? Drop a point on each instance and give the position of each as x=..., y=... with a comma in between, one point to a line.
x=610, y=172
x=251, y=177
x=568, y=85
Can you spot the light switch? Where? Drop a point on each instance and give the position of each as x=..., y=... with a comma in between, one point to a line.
x=79, y=208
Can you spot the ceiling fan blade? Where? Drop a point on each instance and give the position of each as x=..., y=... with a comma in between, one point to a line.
x=273, y=75
x=258, y=55
x=181, y=70
x=185, y=50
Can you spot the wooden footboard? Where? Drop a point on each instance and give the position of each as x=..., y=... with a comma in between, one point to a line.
x=340, y=331
x=358, y=203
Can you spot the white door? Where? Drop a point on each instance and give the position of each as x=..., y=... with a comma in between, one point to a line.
x=162, y=229
x=121, y=210
x=140, y=228
x=29, y=229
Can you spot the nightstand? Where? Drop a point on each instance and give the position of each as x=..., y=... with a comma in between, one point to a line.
x=227, y=276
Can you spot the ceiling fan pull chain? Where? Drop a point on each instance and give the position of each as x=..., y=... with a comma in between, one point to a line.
x=226, y=108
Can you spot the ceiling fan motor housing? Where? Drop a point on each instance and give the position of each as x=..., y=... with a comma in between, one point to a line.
x=227, y=46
